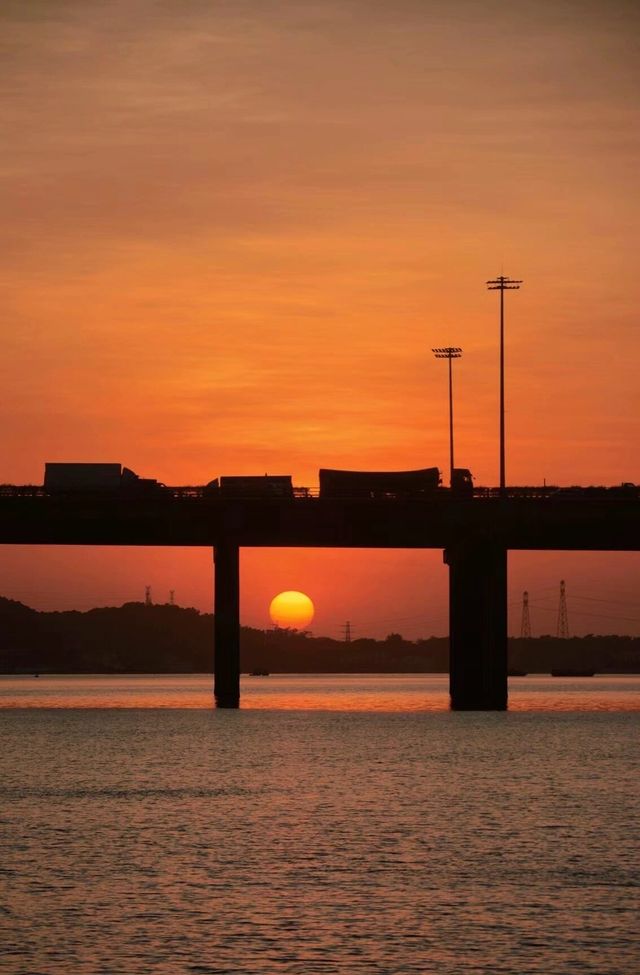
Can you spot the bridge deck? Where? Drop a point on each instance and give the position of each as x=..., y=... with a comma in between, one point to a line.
x=523, y=523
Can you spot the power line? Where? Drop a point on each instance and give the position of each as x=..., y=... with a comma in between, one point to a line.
x=613, y=602
x=600, y=616
x=418, y=617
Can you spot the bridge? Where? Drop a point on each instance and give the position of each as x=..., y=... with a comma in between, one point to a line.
x=475, y=534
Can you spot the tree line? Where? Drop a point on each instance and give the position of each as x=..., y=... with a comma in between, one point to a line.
x=136, y=638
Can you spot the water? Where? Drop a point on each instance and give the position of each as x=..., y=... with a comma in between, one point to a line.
x=387, y=836
x=327, y=692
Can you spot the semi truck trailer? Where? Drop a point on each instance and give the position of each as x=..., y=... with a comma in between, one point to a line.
x=110, y=479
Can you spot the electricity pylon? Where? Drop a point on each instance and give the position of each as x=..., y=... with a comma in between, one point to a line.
x=525, y=626
x=563, y=619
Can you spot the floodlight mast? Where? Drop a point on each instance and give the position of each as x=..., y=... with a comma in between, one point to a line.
x=449, y=352
x=502, y=284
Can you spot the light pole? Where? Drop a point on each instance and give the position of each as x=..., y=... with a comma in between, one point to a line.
x=450, y=352
x=502, y=284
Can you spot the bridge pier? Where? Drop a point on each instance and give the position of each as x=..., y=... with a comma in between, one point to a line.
x=477, y=626
x=226, y=609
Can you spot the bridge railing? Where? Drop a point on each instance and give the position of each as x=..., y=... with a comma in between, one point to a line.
x=199, y=493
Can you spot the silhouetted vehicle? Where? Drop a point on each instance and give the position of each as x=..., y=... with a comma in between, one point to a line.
x=625, y=491
x=102, y=479
x=462, y=482
x=265, y=486
x=379, y=484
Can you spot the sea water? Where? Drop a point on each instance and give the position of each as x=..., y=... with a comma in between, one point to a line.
x=336, y=824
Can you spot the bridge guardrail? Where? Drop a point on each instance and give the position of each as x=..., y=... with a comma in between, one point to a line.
x=197, y=493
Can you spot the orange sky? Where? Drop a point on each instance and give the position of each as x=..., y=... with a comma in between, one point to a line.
x=233, y=231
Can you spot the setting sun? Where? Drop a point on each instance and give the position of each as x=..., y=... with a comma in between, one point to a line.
x=291, y=608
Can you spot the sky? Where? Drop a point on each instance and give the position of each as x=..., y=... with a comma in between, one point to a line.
x=233, y=231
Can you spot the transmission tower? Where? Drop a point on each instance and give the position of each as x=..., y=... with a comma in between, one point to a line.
x=147, y=595
x=525, y=626
x=172, y=597
x=347, y=632
x=563, y=619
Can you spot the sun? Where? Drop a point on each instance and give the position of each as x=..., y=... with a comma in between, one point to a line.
x=291, y=609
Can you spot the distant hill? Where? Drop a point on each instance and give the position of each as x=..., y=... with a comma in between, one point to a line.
x=136, y=638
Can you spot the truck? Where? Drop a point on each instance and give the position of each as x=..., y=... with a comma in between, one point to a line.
x=378, y=484
x=424, y=483
x=256, y=486
x=102, y=479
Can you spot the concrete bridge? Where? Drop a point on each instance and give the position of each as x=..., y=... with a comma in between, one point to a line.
x=475, y=535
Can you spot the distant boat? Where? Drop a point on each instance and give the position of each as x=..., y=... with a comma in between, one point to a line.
x=573, y=673
x=259, y=673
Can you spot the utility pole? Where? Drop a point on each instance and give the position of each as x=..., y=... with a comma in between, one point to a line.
x=172, y=597
x=525, y=626
x=563, y=619
x=450, y=352
x=347, y=632
x=147, y=595
x=502, y=284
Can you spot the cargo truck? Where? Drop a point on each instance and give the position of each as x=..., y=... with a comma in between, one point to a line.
x=256, y=486
x=392, y=484
x=103, y=479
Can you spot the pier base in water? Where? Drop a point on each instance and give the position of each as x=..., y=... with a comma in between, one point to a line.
x=477, y=626
x=226, y=683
